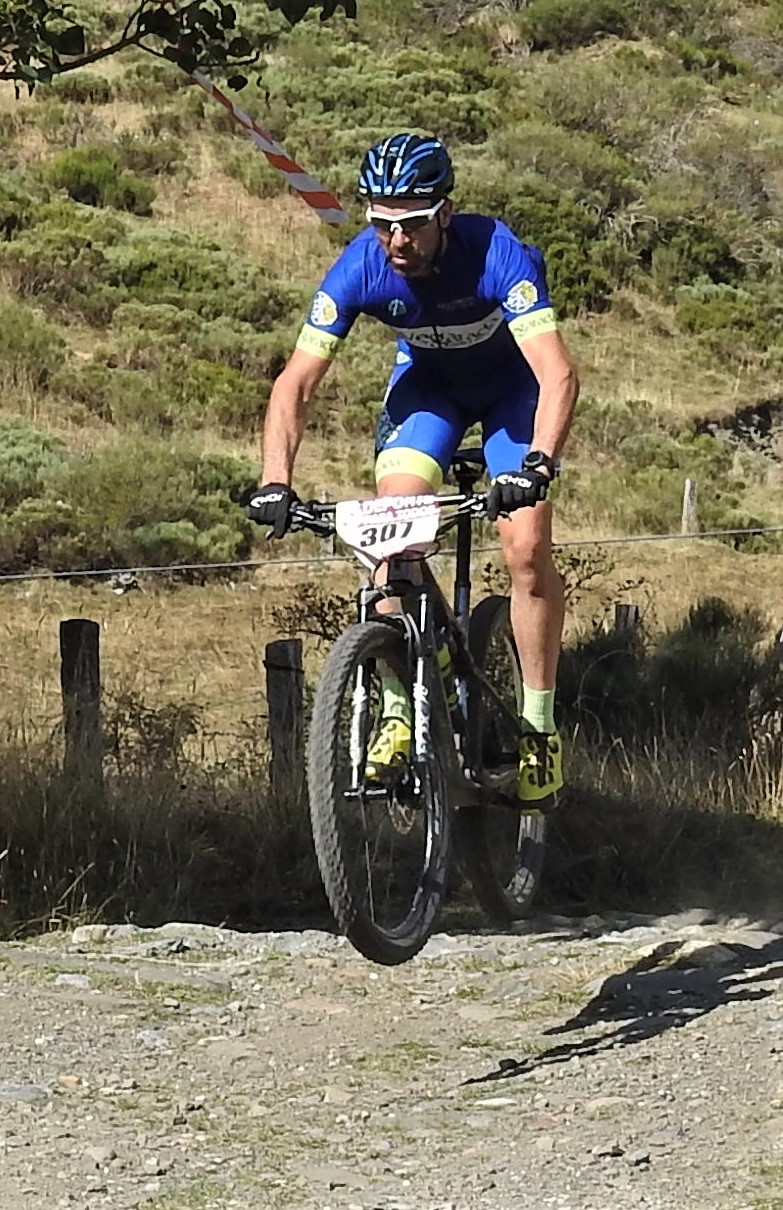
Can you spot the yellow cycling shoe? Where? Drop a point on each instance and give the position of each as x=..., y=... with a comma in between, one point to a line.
x=390, y=748
x=540, y=766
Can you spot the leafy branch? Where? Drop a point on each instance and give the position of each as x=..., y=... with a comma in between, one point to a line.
x=40, y=40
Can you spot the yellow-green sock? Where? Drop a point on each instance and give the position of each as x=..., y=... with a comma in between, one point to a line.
x=395, y=702
x=538, y=709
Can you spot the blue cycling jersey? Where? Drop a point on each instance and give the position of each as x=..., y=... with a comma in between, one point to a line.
x=459, y=332
x=461, y=323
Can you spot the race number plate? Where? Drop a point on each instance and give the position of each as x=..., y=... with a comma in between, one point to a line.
x=388, y=525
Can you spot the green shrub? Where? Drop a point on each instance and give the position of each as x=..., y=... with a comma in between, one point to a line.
x=582, y=164
x=61, y=259
x=149, y=80
x=203, y=391
x=168, y=122
x=180, y=393
x=623, y=101
x=755, y=314
x=17, y=205
x=601, y=424
x=28, y=459
x=551, y=218
x=82, y=87
x=648, y=499
x=67, y=124
x=124, y=398
x=142, y=156
x=11, y=125
x=161, y=266
x=134, y=503
x=687, y=250
x=458, y=94
x=31, y=351
x=147, y=335
x=704, y=672
x=91, y=175
x=712, y=62
x=91, y=263
x=564, y=24
x=701, y=20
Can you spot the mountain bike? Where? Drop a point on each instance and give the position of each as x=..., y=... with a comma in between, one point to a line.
x=384, y=847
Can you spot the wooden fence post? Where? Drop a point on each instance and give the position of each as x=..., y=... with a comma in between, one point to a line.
x=285, y=699
x=626, y=618
x=80, y=679
x=690, y=507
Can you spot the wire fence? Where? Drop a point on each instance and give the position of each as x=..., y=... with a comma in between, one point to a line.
x=253, y=564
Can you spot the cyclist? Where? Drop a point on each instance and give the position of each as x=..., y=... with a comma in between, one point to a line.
x=477, y=340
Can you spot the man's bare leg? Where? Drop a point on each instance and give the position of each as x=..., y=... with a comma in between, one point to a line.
x=537, y=602
x=537, y=614
x=393, y=739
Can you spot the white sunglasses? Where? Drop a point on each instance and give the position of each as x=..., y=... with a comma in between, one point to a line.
x=412, y=220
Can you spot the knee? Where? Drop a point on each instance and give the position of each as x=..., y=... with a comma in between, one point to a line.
x=529, y=562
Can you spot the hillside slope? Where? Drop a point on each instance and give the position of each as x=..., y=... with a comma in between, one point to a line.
x=154, y=269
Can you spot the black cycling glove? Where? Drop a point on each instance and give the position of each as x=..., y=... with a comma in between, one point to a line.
x=271, y=504
x=516, y=489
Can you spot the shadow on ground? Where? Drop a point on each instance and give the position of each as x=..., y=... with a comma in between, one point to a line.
x=652, y=997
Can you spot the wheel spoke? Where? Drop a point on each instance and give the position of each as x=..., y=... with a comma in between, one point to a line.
x=382, y=846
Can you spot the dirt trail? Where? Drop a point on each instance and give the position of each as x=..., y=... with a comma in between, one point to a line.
x=623, y=1061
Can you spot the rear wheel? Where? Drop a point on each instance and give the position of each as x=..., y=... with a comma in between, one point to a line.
x=382, y=847
x=502, y=845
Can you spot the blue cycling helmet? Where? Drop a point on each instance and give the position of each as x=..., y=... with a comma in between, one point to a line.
x=407, y=167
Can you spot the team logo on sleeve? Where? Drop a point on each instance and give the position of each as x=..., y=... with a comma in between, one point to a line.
x=521, y=297
x=324, y=310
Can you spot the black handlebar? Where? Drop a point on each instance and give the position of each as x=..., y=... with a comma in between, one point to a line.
x=318, y=515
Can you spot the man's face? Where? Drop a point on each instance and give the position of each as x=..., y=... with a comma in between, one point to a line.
x=410, y=252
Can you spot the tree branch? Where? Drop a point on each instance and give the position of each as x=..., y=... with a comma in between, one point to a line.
x=92, y=56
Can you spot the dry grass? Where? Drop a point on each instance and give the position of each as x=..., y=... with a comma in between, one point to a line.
x=677, y=574
x=196, y=833
x=281, y=234
x=647, y=358
x=667, y=824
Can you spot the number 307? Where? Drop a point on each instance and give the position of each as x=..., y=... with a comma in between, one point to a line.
x=373, y=534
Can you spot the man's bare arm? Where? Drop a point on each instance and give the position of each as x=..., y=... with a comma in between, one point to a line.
x=286, y=414
x=550, y=361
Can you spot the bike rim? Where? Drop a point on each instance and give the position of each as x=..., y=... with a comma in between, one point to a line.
x=387, y=828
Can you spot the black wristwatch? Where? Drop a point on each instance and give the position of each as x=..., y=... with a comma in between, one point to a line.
x=535, y=460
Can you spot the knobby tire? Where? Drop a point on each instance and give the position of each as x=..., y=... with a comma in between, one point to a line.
x=340, y=827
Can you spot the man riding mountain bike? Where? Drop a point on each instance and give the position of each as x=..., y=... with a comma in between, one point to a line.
x=477, y=340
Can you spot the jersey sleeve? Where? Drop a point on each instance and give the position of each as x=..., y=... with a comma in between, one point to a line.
x=333, y=310
x=518, y=281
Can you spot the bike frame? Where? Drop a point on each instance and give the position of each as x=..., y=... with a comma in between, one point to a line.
x=425, y=612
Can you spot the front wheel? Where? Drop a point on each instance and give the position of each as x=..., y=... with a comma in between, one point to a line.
x=382, y=847
x=502, y=845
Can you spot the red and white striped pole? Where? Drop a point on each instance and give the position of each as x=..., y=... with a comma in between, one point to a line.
x=324, y=203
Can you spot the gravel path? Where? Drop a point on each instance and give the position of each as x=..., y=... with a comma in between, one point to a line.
x=578, y=1064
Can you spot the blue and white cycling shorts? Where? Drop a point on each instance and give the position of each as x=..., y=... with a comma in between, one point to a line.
x=422, y=424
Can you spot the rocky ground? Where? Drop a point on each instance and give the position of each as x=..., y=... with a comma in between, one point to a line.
x=578, y=1064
